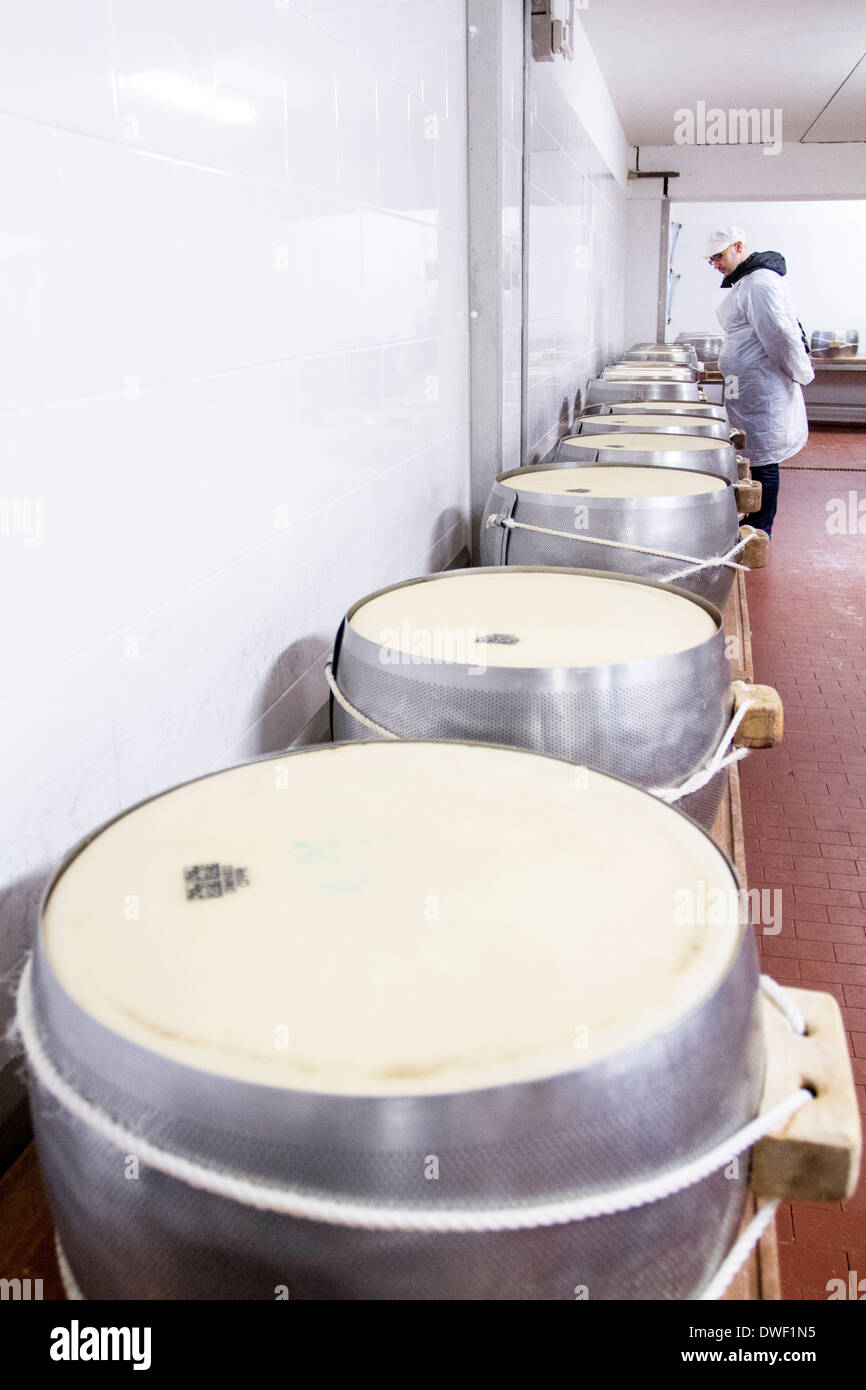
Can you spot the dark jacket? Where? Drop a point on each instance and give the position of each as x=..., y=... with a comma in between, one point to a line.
x=759, y=260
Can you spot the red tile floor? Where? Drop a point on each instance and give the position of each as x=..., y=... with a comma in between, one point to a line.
x=805, y=801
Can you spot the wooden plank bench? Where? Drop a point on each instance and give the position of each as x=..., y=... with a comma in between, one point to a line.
x=759, y=1277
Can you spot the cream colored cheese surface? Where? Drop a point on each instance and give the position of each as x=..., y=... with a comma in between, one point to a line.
x=548, y=618
x=650, y=371
x=639, y=422
x=665, y=408
x=653, y=443
x=615, y=480
x=418, y=918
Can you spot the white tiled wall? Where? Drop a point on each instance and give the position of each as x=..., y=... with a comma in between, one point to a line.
x=511, y=68
x=576, y=234
x=233, y=377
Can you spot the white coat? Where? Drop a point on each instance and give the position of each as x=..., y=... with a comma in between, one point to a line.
x=765, y=366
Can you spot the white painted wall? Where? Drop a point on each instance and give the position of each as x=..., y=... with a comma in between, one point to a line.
x=732, y=175
x=822, y=243
x=643, y=239
x=233, y=376
x=576, y=254
x=742, y=172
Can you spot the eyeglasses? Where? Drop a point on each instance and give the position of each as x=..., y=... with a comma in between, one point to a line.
x=719, y=254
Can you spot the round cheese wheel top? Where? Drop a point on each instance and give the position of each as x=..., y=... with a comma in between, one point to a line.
x=615, y=480
x=537, y=618
x=650, y=370
x=645, y=420
x=653, y=443
x=700, y=408
x=610, y=387
x=393, y=919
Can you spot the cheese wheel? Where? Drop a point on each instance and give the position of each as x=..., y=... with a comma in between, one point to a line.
x=601, y=391
x=533, y=619
x=674, y=356
x=700, y=408
x=615, y=480
x=639, y=422
x=653, y=443
x=403, y=918
x=649, y=370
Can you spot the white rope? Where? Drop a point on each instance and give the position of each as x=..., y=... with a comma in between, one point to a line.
x=783, y=1000
x=67, y=1278
x=716, y=763
x=720, y=560
x=739, y=1253
x=338, y=1211
x=350, y=708
x=694, y=564
x=746, y=1243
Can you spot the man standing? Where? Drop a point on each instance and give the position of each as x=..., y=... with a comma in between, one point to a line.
x=763, y=360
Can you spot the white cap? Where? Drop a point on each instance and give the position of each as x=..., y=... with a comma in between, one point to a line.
x=721, y=238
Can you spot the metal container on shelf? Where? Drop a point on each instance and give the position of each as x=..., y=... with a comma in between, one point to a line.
x=601, y=392
x=835, y=342
x=297, y=1166
x=707, y=346
x=658, y=450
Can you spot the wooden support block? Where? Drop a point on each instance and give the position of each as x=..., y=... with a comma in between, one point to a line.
x=748, y=496
x=743, y=466
x=738, y=439
x=764, y=723
x=815, y=1157
x=756, y=551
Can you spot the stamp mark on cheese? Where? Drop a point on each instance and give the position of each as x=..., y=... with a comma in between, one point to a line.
x=213, y=880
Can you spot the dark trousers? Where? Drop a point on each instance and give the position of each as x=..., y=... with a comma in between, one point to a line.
x=768, y=477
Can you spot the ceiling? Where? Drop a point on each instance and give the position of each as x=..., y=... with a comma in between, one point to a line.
x=806, y=57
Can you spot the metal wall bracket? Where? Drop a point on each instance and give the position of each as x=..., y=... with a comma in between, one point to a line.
x=553, y=29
